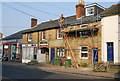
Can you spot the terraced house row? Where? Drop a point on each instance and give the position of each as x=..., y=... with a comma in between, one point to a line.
x=92, y=35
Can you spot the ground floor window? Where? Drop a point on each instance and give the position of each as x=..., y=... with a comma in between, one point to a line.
x=60, y=52
x=84, y=52
x=27, y=53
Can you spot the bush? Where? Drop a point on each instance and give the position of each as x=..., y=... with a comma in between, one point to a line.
x=32, y=62
x=84, y=65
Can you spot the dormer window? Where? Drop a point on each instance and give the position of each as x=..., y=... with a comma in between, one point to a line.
x=89, y=11
x=29, y=37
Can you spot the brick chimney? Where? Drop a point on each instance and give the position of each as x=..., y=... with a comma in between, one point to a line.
x=1, y=35
x=80, y=11
x=33, y=22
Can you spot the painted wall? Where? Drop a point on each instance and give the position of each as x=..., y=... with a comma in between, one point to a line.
x=110, y=34
x=119, y=38
x=41, y=57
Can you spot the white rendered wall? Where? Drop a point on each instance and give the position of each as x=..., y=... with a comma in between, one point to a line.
x=110, y=34
x=119, y=39
x=41, y=57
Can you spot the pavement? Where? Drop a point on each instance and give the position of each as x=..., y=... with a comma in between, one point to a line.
x=79, y=71
x=87, y=71
x=15, y=71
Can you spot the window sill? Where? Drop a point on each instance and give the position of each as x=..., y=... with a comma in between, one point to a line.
x=59, y=38
x=84, y=58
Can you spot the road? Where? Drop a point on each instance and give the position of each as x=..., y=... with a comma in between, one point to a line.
x=22, y=71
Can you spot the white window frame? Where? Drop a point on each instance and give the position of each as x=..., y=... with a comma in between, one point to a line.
x=83, y=52
x=43, y=34
x=60, y=52
x=29, y=37
x=87, y=14
x=83, y=25
x=58, y=34
x=84, y=35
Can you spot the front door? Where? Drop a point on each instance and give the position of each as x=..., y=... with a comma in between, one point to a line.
x=110, y=52
x=52, y=54
x=95, y=55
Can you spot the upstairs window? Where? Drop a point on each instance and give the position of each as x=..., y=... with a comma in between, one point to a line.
x=59, y=34
x=29, y=37
x=84, y=34
x=43, y=35
x=84, y=52
x=90, y=11
x=83, y=25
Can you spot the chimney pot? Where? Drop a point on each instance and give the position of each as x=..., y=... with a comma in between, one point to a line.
x=33, y=22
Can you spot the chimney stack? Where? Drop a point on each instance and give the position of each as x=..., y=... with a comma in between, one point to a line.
x=33, y=22
x=80, y=11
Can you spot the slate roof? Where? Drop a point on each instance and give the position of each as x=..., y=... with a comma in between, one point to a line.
x=71, y=20
x=17, y=35
x=85, y=19
x=46, y=25
x=113, y=10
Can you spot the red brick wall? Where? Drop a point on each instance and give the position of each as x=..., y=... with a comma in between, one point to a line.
x=33, y=22
x=80, y=11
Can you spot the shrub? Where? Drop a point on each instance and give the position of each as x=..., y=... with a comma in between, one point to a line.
x=84, y=65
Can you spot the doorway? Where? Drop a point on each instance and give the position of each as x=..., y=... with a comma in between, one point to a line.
x=95, y=55
x=110, y=51
x=52, y=54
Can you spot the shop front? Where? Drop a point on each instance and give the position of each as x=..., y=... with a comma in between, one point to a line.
x=29, y=52
x=12, y=50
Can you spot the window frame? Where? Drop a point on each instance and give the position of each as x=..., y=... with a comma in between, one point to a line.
x=30, y=37
x=83, y=52
x=82, y=34
x=43, y=35
x=60, y=52
x=59, y=33
x=83, y=25
x=88, y=10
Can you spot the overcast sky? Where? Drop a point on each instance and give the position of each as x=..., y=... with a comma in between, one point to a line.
x=16, y=16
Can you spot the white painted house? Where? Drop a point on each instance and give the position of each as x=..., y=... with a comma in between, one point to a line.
x=111, y=34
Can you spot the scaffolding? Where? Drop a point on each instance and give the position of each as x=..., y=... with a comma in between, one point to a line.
x=92, y=30
x=65, y=36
